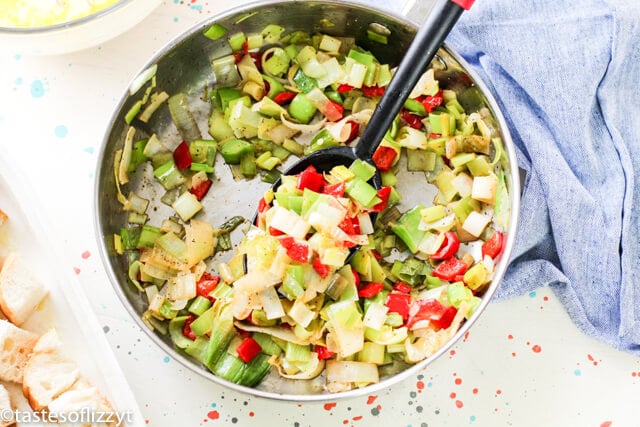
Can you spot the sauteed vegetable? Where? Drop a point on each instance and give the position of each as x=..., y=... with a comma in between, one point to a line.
x=292, y=296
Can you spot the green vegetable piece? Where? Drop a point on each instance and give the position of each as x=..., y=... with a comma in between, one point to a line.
x=183, y=117
x=457, y=292
x=203, y=151
x=225, y=95
x=293, y=282
x=272, y=33
x=148, y=236
x=305, y=83
x=248, y=166
x=421, y=160
x=234, y=149
x=377, y=37
x=362, y=169
x=479, y=166
x=199, y=305
x=297, y=352
x=198, y=348
x=259, y=318
x=229, y=367
x=365, y=58
x=237, y=40
x=133, y=112
x=255, y=370
x=204, y=323
x=302, y=109
x=175, y=332
x=268, y=345
x=201, y=167
x=362, y=192
x=219, y=128
x=322, y=139
x=130, y=237
x=407, y=228
x=215, y=32
x=137, y=154
x=275, y=87
x=221, y=334
x=278, y=62
x=415, y=107
x=293, y=147
x=266, y=161
x=166, y=311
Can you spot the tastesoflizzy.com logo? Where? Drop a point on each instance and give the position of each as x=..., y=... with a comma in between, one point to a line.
x=83, y=416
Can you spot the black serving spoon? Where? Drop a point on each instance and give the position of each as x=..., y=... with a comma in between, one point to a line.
x=422, y=50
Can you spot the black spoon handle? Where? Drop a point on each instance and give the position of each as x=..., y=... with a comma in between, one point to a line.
x=426, y=43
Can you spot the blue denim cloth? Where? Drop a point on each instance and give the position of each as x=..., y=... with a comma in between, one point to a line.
x=566, y=74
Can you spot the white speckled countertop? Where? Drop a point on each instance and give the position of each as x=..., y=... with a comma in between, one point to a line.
x=524, y=363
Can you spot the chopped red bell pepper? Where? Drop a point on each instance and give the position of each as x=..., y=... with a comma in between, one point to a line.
x=320, y=268
x=398, y=302
x=493, y=246
x=310, y=178
x=297, y=251
x=248, y=349
x=370, y=290
x=335, y=190
x=333, y=111
x=275, y=232
x=182, y=156
x=201, y=189
x=450, y=269
x=345, y=88
x=347, y=225
x=283, y=97
x=449, y=247
x=376, y=254
x=257, y=59
x=402, y=287
x=384, y=157
x=431, y=102
x=186, y=329
x=206, y=284
x=412, y=120
x=356, y=277
x=373, y=91
x=262, y=205
x=383, y=194
x=445, y=319
x=433, y=135
x=323, y=352
x=355, y=127
x=424, y=309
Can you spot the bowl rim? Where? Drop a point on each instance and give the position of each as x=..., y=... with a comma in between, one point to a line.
x=67, y=24
x=514, y=180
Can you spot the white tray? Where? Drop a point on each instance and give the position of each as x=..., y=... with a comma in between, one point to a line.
x=66, y=307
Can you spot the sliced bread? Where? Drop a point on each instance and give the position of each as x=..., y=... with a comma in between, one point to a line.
x=48, y=373
x=16, y=345
x=20, y=291
x=7, y=419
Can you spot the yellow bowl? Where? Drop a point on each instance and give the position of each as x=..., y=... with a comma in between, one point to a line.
x=69, y=28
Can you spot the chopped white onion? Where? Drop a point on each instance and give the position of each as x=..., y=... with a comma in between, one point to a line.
x=343, y=371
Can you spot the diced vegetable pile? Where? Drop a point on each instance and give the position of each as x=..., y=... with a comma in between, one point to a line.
x=318, y=284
